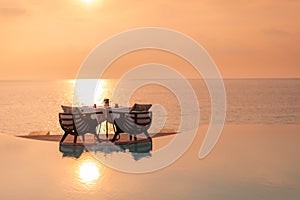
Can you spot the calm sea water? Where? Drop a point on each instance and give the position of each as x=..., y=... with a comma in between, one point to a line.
x=27, y=106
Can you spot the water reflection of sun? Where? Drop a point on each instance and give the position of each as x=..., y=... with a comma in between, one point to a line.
x=89, y=171
x=90, y=91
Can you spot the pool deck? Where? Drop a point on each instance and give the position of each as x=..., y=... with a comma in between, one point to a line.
x=89, y=139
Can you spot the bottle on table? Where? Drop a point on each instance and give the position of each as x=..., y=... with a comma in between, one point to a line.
x=106, y=103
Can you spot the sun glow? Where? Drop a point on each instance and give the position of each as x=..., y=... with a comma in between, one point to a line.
x=90, y=91
x=87, y=1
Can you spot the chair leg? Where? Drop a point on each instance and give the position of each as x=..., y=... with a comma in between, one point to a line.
x=83, y=138
x=130, y=137
x=114, y=127
x=115, y=137
x=98, y=129
x=97, y=137
x=147, y=134
x=106, y=127
x=75, y=138
x=64, y=137
x=135, y=138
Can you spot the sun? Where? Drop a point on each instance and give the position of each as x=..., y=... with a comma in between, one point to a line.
x=87, y=1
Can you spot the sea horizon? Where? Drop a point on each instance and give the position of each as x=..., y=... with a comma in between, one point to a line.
x=242, y=78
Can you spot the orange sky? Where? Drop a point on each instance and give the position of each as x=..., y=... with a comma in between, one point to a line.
x=246, y=39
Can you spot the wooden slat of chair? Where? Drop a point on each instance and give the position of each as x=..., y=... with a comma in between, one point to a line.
x=77, y=124
x=133, y=124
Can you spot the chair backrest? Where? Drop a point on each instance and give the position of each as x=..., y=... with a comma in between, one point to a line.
x=140, y=118
x=137, y=122
x=140, y=107
x=70, y=109
x=66, y=122
x=77, y=124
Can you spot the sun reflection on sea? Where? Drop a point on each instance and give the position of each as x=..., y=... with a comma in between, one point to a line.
x=89, y=171
x=91, y=91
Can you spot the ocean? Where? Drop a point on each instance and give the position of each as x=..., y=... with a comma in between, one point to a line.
x=28, y=106
x=256, y=157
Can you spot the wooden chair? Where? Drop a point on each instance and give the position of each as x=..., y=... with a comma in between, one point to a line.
x=78, y=124
x=133, y=123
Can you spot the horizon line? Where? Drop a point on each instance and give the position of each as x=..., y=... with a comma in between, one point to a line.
x=240, y=78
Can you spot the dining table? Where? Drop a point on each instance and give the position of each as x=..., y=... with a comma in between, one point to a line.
x=105, y=114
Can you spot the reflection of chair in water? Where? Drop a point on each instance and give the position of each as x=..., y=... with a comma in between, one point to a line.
x=137, y=121
x=137, y=150
x=74, y=151
x=77, y=124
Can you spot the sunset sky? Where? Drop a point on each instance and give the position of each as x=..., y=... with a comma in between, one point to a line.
x=246, y=39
